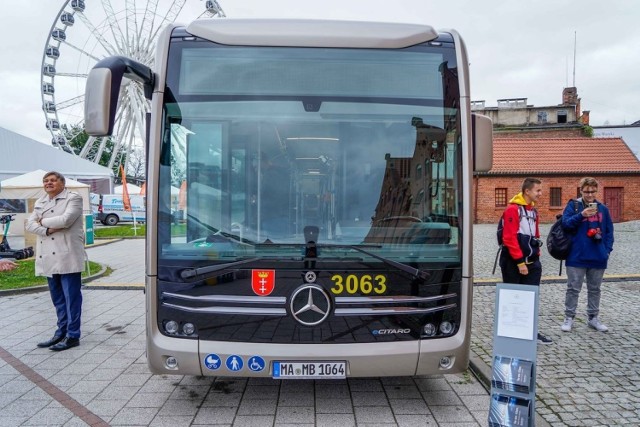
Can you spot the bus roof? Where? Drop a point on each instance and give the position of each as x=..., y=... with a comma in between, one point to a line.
x=311, y=33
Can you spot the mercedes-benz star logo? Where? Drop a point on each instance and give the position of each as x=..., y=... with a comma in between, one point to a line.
x=310, y=305
x=309, y=277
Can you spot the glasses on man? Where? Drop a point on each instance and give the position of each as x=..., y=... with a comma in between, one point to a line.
x=590, y=192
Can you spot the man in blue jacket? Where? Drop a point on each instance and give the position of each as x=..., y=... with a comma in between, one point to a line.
x=590, y=248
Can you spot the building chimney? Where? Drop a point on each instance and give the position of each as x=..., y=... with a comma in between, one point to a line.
x=570, y=96
x=585, y=117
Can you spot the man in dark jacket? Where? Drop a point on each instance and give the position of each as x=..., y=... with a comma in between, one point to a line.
x=520, y=257
x=590, y=248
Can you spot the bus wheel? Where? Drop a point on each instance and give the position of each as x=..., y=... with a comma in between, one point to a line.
x=111, y=220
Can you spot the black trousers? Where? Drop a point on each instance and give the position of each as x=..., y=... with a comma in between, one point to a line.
x=511, y=274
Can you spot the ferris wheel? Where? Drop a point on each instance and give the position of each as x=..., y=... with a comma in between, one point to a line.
x=86, y=31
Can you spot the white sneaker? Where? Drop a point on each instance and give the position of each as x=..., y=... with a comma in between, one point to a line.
x=567, y=325
x=597, y=325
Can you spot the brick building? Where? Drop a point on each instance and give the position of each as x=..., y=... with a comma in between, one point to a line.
x=517, y=112
x=560, y=163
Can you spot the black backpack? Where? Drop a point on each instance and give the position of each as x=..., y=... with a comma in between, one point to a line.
x=559, y=239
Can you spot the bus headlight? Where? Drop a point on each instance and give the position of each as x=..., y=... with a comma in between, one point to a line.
x=188, y=328
x=446, y=327
x=429, y=329
x=171, y=327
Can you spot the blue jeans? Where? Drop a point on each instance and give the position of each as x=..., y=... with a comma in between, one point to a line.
x=575, y=277
x=67, y=299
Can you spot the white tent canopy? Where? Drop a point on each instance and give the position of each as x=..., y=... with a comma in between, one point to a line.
x=131, y=188
x=19, y=155
x=29, y=186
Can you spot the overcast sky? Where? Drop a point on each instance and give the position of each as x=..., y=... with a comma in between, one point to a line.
x=517, y=49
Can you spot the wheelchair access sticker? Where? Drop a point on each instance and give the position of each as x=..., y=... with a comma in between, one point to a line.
x=256, y=363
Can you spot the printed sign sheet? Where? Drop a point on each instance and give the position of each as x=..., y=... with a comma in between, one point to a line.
x=516, y=310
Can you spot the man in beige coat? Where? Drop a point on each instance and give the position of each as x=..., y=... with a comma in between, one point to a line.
x=60, y=256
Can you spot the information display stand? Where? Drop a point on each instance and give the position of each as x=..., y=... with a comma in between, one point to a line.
x=513, y=373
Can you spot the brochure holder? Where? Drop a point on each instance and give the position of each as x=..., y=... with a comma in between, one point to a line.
x=513, y=374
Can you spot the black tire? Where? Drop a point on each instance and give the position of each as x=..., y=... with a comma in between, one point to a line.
x=111, y=220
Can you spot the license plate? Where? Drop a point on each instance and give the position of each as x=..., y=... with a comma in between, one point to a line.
x=309, y=370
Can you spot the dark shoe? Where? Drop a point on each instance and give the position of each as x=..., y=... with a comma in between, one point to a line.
x=66, y=344
x=541, y=339
x=55, y=340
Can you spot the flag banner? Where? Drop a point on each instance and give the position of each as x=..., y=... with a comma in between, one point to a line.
x=126, y=201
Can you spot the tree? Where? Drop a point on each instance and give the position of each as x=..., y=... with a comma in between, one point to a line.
x=136, y=166
x=77, y=138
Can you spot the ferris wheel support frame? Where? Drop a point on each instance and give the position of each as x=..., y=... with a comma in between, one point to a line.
x=135, y=38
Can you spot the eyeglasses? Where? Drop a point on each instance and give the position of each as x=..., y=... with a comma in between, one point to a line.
x=589, y=192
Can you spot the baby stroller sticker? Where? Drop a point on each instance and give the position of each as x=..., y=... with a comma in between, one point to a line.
x=212, y=361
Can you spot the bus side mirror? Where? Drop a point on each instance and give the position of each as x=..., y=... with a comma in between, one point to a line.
x=99, y=110
x=482, y=134
x=103, y=89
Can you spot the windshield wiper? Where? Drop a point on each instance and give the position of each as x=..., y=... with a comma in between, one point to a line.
x=416, y=272
x=214, y=237
x=190, y=273
x=193, y=272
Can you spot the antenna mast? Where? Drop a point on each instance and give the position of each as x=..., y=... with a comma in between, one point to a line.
x=575, y=37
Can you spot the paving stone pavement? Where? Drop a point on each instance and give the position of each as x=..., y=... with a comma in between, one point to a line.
x=107, y=377
x=585, y=378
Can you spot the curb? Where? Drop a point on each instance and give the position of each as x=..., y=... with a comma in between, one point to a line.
x=102, y=242
x=112, y=287
x=102, y=272
x=43, y=288
x=552, y=279
x=21, y=291
x=482, y=372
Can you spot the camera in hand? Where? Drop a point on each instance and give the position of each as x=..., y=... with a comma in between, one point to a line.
x=594, y=233
x=536, y=243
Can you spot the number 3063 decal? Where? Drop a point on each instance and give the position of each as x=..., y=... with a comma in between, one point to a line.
x=353, y=284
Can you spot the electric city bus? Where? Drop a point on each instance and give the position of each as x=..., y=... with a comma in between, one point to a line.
x=324, y=228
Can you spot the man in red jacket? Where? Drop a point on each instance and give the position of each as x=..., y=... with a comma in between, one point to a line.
x=520, y=256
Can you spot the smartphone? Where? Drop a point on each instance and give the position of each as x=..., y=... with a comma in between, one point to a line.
x=593, y=205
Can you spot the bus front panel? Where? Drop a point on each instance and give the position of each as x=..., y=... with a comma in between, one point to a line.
x=310, y=211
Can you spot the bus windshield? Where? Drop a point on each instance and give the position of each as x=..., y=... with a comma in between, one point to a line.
x=268, y=149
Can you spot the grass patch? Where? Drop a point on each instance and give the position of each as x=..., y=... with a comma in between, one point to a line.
x=118, y=231
x=24, y=276
x=464, y=378
x=126, y=230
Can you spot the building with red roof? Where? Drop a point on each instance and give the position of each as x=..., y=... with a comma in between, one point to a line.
x=560, y=163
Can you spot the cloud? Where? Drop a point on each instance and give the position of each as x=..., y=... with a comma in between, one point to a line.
x=516, y=49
